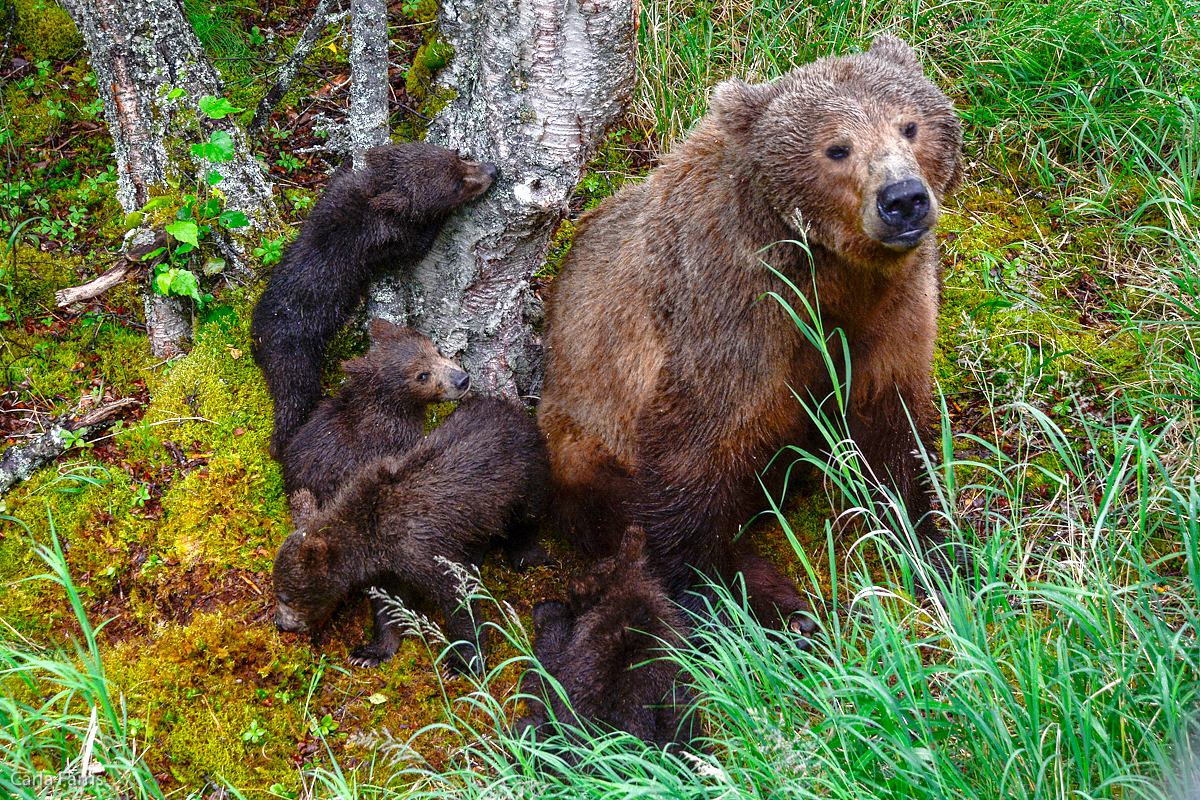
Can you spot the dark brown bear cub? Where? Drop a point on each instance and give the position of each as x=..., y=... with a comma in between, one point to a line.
x=381, y=216
x=405, y=525
x=672, y=376
x=380, y=410
x=605, y=648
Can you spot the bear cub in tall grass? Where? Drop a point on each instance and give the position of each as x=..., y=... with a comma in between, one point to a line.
x=382, y=215
x=408, y=525
x=605, y=647
x=380, y=410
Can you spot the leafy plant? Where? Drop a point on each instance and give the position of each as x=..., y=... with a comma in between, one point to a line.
x=197, y=215
x=254, y=734
x=270, y=251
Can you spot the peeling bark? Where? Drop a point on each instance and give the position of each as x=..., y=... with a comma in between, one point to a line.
x=141, y=50
x=538, y=84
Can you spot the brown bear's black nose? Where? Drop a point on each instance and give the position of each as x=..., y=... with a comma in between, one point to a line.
x=902, y=205
x=489, y=169
x=461, y=381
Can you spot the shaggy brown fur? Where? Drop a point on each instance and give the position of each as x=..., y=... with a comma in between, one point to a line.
x=670, y=373
x=382, y=216
x=477, y=479
x=379, y=412
x=605, y=650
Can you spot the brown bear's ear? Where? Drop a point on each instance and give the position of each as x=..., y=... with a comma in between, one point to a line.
x=304, y=507
x=383, y=331
x=633, y=545
x=315, y=554
x=359, y=365
x=736, y=105
x=889, y=48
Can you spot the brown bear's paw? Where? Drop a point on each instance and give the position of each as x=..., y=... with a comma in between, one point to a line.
x=802, y=626
x=370, y=655
x=465, y=660
x=523, y=556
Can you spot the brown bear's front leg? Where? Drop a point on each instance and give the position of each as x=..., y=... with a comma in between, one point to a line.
x=772, y=596
x=883, y=429
x=690, y=526
x=386, y=641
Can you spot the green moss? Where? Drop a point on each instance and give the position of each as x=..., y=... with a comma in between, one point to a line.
x=81, y=501
x=420, y=10
x=45, y=30
x=233, y=510
x=430, y=57
x=196, y=690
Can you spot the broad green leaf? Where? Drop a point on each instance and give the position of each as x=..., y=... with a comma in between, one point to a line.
x=185, y=232
x=218, y=107
x=234, y=219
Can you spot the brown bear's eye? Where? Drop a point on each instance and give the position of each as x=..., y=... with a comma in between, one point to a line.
x=910, y=130
x=424, y=376
x=837, y=152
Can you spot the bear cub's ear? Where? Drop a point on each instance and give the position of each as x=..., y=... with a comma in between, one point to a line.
x=736, y=105
x=384, y=331
x=304, y=508
x=889, y=48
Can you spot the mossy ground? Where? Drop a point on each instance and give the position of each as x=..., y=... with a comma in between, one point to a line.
x=170, y=523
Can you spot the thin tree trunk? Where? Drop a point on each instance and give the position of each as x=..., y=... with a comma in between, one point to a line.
x=538, y=84
x=291, y=68
x=367, y=125
x=140, y=51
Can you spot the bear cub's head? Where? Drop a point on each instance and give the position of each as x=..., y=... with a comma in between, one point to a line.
x=305, y=572
x=856, y=152
x=404, y=368
x=423, y=180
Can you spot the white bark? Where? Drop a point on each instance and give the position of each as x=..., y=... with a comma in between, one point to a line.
x=367, y=125
x=538, y=84
x=140, y=50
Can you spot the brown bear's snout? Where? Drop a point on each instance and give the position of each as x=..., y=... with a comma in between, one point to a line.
x=461, y=382
x=903, y=207
x=287, y=620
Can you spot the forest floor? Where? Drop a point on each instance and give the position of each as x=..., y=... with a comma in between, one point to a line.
x=170, y=519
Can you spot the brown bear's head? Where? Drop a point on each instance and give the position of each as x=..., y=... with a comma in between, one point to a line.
x=855, y=152
x=307, y=582
x=405, y=367
x=418, y=180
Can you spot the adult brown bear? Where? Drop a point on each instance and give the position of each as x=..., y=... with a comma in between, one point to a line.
x=670, y=373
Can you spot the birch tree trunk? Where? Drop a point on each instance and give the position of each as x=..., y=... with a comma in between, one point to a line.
x=538, y=84
x=141, y=50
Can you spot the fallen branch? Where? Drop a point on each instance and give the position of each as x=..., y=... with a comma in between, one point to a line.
x=19, y=461
x=134, y=257
x=94, y=287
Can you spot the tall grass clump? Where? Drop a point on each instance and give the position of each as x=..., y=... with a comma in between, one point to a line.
x=63, y=733
x=1070, y=670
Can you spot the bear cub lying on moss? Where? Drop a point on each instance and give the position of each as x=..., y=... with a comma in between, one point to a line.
x=402, y=524
x=605, y=647
x=380, y=411
x=380, y=216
